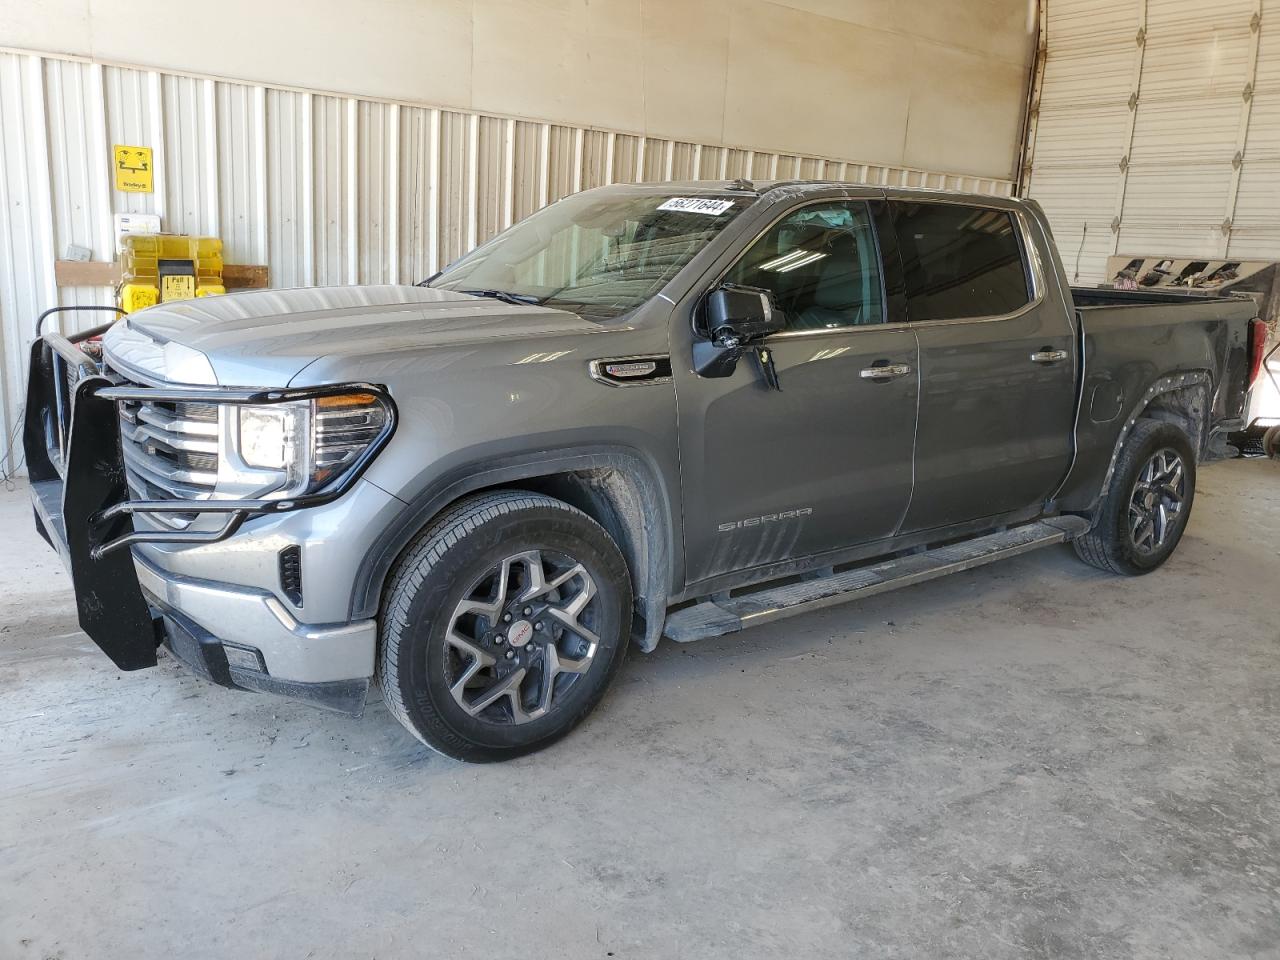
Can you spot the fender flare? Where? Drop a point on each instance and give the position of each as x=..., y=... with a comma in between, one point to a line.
x=1166, y=384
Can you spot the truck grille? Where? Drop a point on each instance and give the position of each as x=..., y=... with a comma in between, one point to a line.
x=170, y=449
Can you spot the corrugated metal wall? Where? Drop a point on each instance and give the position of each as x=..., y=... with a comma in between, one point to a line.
x=1158, y=130
x=322, y=188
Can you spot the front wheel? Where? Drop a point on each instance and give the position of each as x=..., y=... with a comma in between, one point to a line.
x=503, y=625
x=1145, y=510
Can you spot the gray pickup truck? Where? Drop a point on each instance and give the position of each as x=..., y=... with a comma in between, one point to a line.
x=672, y=409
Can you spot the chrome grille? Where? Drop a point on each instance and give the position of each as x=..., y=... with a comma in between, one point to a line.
x=170, y=449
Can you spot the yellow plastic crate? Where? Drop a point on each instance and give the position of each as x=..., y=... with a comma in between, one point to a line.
x=159, y=268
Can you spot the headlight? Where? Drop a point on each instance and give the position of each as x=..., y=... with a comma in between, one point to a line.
x=344, y=426
x=271, y=434
x=298, y=447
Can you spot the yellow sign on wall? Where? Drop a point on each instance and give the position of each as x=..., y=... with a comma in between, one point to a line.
x=133, y=169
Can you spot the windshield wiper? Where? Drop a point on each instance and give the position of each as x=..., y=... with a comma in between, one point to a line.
x=505, y=296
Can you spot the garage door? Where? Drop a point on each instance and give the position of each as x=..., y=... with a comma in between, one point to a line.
x=1158, y=130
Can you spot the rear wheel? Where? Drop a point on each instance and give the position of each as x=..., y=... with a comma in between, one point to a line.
x=1145, y=511
x=504, y=624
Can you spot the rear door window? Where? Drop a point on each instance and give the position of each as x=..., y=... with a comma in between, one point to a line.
x=960, y=261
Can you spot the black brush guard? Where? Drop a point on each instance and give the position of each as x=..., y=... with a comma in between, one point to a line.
x=71, y=437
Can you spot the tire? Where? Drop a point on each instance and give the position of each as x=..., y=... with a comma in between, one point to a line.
x=1271, y=442
x=1113, y=544
x=451, y=635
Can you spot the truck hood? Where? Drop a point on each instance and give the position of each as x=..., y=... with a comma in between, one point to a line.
x=265, y=338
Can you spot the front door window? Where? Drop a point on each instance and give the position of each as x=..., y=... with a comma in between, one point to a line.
x=821, y=265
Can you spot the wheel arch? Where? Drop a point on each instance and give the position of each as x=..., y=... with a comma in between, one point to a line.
x=615, y=486
x=1188, y=407
x=1184, y=399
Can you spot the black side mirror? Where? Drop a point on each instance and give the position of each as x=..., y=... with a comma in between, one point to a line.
x=735, y=316
x=741, y=314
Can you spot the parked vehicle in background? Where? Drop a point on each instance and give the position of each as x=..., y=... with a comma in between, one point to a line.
x=676, y=409
x=1263, y=416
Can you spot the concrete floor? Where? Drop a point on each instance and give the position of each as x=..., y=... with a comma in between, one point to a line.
x=1030, y=760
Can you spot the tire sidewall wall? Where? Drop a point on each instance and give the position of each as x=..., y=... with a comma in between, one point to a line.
x=1165, y=435
x=424, y=688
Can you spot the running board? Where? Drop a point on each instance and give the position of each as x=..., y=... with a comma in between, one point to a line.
x=716, y=618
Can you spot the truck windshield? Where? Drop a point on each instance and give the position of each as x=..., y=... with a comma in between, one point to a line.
x=600, y=253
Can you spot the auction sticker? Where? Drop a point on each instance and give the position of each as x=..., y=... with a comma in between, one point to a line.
x=707, y=205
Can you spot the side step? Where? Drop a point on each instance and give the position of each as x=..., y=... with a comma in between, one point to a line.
x=714, y=619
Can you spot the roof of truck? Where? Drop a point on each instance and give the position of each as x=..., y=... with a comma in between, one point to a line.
x=760, y=188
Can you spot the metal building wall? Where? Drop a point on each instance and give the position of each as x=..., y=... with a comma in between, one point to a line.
x=324, y=189
x=1157, y=129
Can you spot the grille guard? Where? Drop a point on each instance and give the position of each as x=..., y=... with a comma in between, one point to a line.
x=51, y=424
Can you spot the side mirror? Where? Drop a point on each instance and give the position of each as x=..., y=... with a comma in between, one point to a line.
x=741, y=314
x=735, y=316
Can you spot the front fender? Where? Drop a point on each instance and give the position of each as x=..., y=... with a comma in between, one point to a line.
x=657, y=558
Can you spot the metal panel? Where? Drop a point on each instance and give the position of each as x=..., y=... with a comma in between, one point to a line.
x=1083, y=125
x=290, y=211
x=330, y=140
x=240, y=136
x=1255, y=228
x=1256, y=219
x=495, y=143
x=134, y=113
x=452, y=215
x=321, y=188
x=1193, y=72
x=563, y=175
x=1159, y=130
x=377, y=185
x=191, y=183
x=82, y=204
x=417, y=196
x=597, y=159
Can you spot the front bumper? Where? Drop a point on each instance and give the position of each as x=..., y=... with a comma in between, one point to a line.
x=233, y=666
x=135, y=590
x=130, y=607
x=259, y=623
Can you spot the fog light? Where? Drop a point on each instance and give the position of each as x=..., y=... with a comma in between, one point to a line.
x=244, y=658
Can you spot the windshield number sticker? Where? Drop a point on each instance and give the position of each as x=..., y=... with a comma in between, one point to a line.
x=712, y=208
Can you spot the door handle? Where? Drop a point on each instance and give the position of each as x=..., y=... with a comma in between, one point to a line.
x=887, y=371
x=1048, y=356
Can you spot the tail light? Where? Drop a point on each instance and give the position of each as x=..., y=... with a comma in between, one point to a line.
x=1257, y=346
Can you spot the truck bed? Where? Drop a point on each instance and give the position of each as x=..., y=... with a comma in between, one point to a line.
x=1190, y=346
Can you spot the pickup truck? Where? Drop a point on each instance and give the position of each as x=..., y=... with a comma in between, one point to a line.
x=646, y=410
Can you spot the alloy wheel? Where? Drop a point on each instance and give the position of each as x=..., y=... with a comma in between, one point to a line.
x=1157, y=499
x=522, y=637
